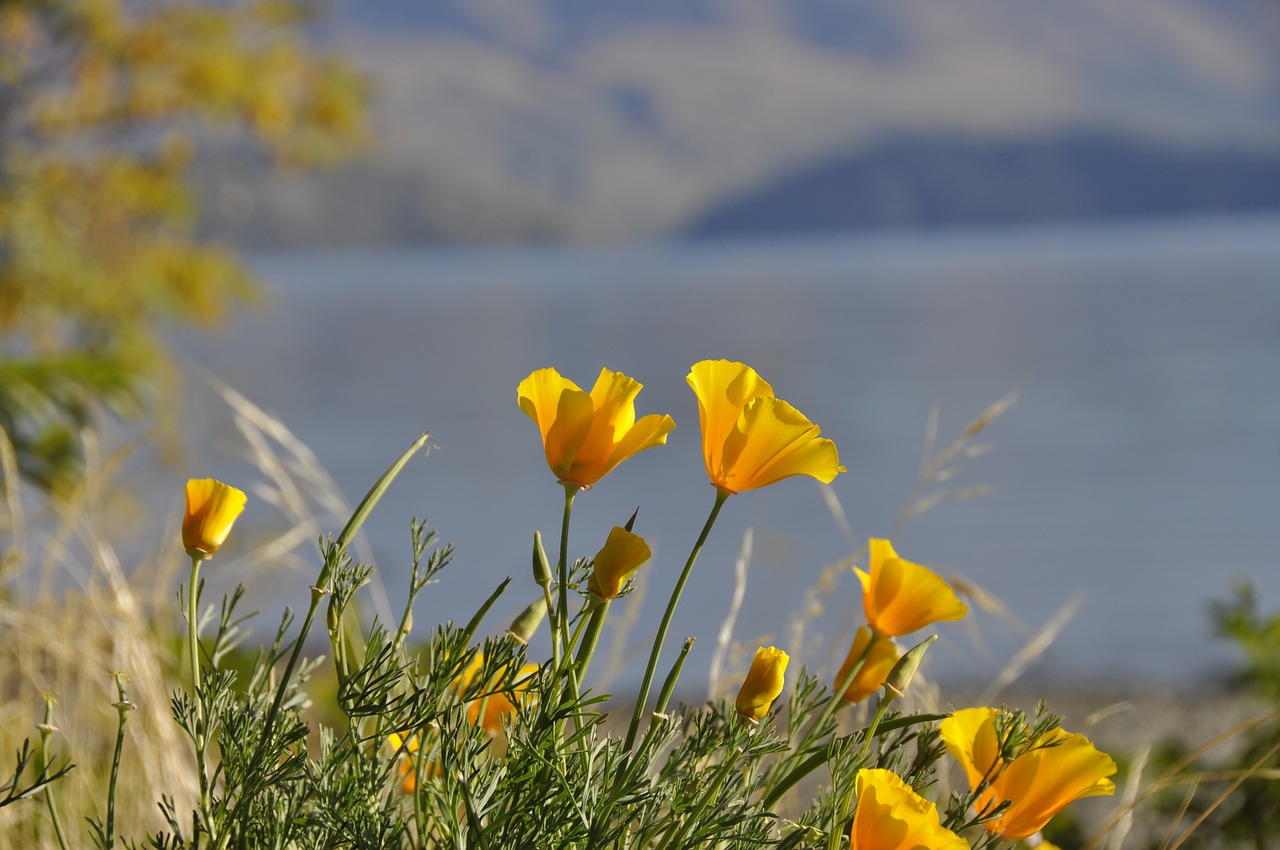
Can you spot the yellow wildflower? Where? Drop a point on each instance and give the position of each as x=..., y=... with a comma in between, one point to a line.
x=892, y=816
x=212, y=508
x=1056, y=770
x=622, y=555
x=763, y=683
x=585, y=435
x=751, y=439
x=878, y=661
x=900, y=597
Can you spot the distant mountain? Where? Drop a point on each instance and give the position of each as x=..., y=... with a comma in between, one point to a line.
x=612, y=119
x=927, y=182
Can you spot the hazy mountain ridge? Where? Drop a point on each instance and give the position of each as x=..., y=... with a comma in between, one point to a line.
x=572, y=119
x=925, y=182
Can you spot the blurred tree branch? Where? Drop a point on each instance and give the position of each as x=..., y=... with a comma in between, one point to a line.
x=106, y=107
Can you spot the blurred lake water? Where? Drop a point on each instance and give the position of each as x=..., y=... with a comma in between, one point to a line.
x=1139, y=468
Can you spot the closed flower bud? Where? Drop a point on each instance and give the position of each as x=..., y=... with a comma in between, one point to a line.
x=541, y=568
x=524, y=625
x=905, y=670
x=763, y=683
x=212, y=508
x=622, y=555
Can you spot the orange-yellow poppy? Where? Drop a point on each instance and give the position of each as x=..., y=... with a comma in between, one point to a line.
x=623, y=553
x=763, y=683
x=892, y=816
x=750, y=438
x=878, y=661
x=212, y=508
x=900, y=597
x=1057, y=769
x=585, y=435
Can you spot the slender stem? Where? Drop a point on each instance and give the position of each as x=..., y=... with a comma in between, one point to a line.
x=562, y=566
x=200, y=733
x=835, y=836
x=123, y=707
x=553, y=621
x=643, y=697
x=46, y=732
x=596, y=615
x=792, y=775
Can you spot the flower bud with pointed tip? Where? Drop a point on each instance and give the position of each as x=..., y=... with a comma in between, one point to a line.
x=541, y=566
x=623, y=553
x=526, y=623
x=905, y=670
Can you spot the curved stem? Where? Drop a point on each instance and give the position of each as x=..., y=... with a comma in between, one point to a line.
x=721, y=497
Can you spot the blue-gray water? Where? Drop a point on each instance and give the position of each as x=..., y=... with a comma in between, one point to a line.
x=1140, y=465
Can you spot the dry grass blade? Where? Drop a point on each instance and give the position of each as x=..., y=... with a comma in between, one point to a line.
x=1222, y=797
x=1129, y=794
x=296, y=480
x=935, y=469
x=725, y=637
x=1174, y=775
x=1033, y=649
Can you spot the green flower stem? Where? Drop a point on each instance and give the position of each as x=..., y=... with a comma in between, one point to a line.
x=792, y=775
x=123, y=708
x=669, y=686
x=318, y=591
x=562, y=568
x=200, y=734
x=46, y=732
x=837, y=699
x=598, y=611
x=721, y=497
x=835, y=836
x=710, y=792
x=553, y=621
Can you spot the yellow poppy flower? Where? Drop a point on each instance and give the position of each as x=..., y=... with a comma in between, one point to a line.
x=892, y=816
x=875, y=668
x=900, y=597
x=622, y=555
x=1059, y=768
x=212, y=508
x=406, y=755
x=763, y=683
x=751, y=439
x=585, y=435
x=489, y=711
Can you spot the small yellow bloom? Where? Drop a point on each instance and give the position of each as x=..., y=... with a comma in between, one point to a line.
x=900, y=597
x=622, y=555
x=763, y=683
x=751, y=439
x=489, y=711
x=892, y=816
x=1058, y=769
x=875, y=668
x=585, y=435
x=212, y=508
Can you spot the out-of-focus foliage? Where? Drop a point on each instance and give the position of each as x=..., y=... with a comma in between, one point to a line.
x=1248, y=816
x=106, y=106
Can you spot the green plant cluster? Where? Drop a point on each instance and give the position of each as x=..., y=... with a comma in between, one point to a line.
x=409, y=764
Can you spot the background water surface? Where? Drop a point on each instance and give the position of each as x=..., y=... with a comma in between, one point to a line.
x=1140, y=466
